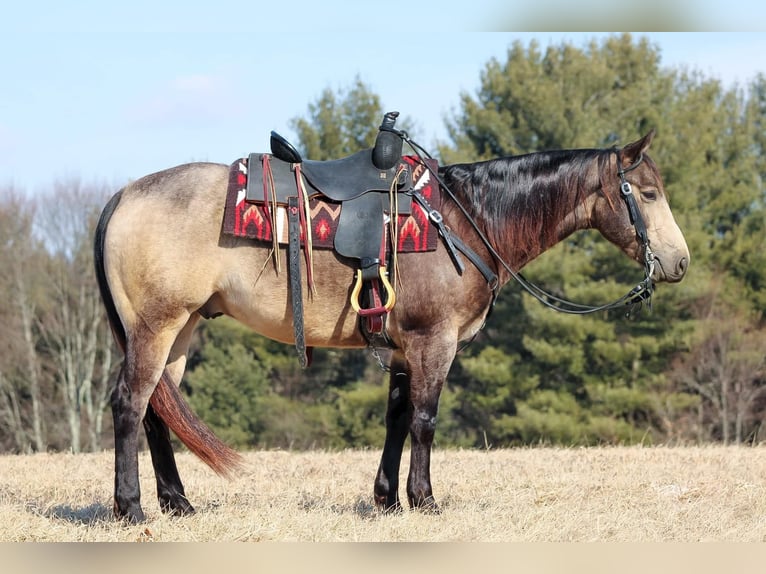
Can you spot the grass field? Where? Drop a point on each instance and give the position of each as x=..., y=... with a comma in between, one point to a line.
x=680, y=494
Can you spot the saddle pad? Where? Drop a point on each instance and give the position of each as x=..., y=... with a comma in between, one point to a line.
x=243, y=219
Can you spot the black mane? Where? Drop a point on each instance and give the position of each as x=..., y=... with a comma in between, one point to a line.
x=523, y=198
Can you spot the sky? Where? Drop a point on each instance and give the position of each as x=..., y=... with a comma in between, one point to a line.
x=106, y=92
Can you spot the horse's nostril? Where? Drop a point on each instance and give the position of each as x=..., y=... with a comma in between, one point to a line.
x=683, y=265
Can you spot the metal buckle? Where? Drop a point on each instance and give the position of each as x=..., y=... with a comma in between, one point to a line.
x=649, y=260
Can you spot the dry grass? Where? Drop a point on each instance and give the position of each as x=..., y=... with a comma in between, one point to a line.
x=541, y=494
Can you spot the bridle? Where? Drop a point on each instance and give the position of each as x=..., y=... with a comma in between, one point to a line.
x=635, y=298
x=641, y=293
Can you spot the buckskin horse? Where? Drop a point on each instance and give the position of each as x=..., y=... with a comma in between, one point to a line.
x=163, y=263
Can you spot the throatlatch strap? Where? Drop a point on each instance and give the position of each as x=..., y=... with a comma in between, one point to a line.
x=294, y=270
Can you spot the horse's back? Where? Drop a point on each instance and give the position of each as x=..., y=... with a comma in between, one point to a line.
x=181, y=185
x=168, y=248
x=171, y=257
x=172, y=213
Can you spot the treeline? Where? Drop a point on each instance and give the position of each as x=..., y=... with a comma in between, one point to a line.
x=692, y=369
x=57, y=359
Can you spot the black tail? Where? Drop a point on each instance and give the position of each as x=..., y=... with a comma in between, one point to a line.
x=98, y=261
x=167, y=401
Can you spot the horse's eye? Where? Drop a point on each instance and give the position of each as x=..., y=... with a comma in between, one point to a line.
x=649, y=195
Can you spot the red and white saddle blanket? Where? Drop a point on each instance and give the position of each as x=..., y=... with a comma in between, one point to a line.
x=244, y=219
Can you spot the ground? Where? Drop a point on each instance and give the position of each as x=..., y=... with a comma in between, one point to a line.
x=615, y=494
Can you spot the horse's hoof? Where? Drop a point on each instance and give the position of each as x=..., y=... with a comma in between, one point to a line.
x=386, y=506
x=129, y=516
x=176, y=505
x=395, y=508
x=426, y=506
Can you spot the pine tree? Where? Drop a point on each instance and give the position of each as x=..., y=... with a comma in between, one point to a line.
x=603, y=378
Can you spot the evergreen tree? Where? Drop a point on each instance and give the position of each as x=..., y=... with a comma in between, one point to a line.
x=342, y=122
x=339, y=123
x=541, y=376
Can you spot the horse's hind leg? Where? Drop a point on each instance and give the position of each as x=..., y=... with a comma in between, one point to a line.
x=145, y=357
x=397, y=426
x=126, y=415
x=170, y=489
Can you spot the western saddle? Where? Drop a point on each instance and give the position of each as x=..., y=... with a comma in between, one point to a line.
x=373, y=187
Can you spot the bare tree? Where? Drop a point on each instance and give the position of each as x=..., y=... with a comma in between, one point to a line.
x=727, y=368
x=10, y=415
x=73, y=325
x=20, y=369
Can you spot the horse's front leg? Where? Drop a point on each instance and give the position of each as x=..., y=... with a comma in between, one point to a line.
x=429, y=361
x=397, y=426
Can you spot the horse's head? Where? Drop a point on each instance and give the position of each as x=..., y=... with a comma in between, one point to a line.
x=613, y=218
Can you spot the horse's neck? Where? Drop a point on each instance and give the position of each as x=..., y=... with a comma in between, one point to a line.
x=525, y=215
x=576, y=219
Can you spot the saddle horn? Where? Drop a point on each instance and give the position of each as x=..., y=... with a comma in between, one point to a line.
x=388, y=144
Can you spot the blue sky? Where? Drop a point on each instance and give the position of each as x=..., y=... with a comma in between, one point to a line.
x=108, y=92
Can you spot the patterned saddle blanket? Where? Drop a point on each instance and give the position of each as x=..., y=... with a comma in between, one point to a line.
x=246, y=217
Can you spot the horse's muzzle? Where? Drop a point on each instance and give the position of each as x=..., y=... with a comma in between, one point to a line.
x=671, y=269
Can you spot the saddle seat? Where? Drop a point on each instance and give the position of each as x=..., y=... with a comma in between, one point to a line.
x=349, y=177
x=339, y=180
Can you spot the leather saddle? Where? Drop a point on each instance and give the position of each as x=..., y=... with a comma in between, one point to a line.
x=361, y=188
x=366, y=184
x=339, y=180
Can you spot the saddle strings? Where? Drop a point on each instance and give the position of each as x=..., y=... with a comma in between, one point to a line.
x=305, y=215
x=270, y=196
x=393, y=222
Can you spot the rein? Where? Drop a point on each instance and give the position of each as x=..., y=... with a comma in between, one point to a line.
x=642, y=292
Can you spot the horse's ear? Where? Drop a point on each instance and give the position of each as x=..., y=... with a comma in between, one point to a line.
x=632, y=151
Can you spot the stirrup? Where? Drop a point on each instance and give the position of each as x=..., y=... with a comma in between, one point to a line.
x=390, y=295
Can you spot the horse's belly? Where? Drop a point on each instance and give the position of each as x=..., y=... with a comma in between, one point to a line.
x=328, y=319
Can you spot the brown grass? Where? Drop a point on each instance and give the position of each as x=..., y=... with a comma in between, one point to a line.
x=539, y=494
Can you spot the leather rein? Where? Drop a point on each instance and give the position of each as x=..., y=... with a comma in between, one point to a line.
x=641, y=293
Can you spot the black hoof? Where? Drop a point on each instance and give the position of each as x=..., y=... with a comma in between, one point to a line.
x=130, y=515
x=426, y=505
x=176, y=505
x=395, y=508
x=388, y=504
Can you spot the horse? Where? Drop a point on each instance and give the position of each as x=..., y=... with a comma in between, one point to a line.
x=163, y=264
